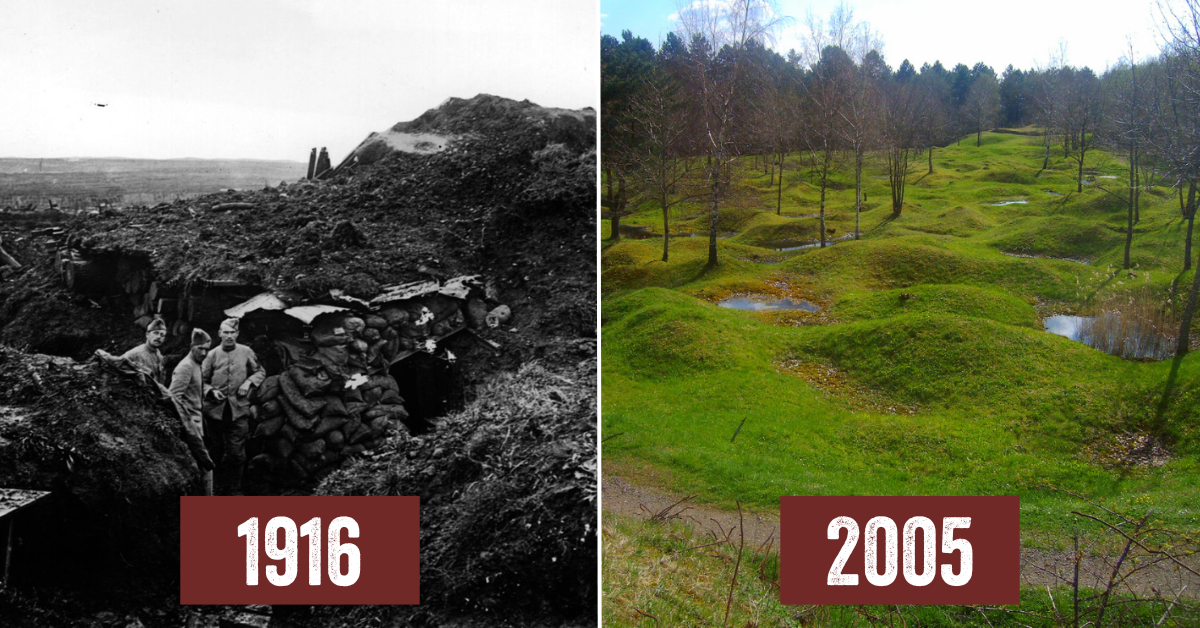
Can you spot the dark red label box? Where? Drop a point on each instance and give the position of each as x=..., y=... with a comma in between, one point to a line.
x=972, y=545
x=226, y=554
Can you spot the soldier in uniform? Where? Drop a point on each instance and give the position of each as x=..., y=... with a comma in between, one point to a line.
x=187, y=387
x=146, y=356
x=230, y=371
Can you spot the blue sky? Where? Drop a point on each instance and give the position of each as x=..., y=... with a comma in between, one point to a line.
x=1020, y=32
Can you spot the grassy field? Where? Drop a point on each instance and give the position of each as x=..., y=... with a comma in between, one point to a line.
x=667, y=574
x=927, y=370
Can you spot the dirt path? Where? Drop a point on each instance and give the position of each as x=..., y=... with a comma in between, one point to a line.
x=1039, y=568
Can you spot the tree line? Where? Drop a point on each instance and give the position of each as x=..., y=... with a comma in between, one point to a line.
x=715, y=91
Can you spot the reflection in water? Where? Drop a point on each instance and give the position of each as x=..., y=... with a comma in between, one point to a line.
x=767, y=304
x=1069, y=326
x=1001, y=204
x=1134, y=338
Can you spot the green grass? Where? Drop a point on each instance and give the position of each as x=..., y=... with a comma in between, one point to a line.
x=952, y=389
x=667, y=574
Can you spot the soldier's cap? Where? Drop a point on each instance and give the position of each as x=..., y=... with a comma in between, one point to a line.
x=156, y=325
x=230, y=324
x=199, y=337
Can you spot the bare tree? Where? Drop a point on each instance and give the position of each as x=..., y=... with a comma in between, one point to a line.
x=904, y=104
x=983, y=104
x=660, y=164
x=719, y=33
x=828, y=90
x=1080, y=113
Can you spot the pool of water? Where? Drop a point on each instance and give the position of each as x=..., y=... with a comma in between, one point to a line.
x=767, y=304
x=1139, y=343
x=1068, y=326
x=793, y=246
x=1003, y=203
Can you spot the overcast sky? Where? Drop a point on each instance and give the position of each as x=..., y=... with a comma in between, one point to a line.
x=270, y=79
x=1020, y=32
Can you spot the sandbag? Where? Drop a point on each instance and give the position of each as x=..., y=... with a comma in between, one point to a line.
x=380, y=425
x=336, y=439
x=328, y=424
x=371, y=396
x=272, y=408
x=371, y=335
x=312, y=381
x=386, y=382
x=375, y=322
x=269, y=389
x=296, y=417
x=363, y=433
x=334, y=407
x=329, y=336
x=294, y=398
x=312, y=449
x=394, y=315
x=336, y=355
x=284, y=448
x=391, y=397
x=354, y=325
x=352, y=395
x=268, y=428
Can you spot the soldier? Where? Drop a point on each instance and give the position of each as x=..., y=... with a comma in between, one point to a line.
x=230, y=371
x=187, y=387
x=147, y=356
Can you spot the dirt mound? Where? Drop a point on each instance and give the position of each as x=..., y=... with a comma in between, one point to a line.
x=508, y=196
x=508, y=490
x=113, y=458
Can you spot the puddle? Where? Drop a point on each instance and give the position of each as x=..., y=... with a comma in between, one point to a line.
x=1067, y=326
x=1137, y=342
x=1077, y=260
x=1053, y=193
x=1002, y=204
x=792, y=246
x=767, y=304
x=637, y=232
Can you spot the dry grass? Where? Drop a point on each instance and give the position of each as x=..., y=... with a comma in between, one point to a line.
x=1136, y=325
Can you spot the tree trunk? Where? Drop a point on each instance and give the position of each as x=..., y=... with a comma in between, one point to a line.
x=779, y=194
x=1129, y=221
x=931, y=159
x=618, y=209
x=978, y=136
x=715, y=173
x=1137, y=192
x=1190, y=213
x=858, y=161
x=1185, y=326
x=609, y=179
x=824, y=172
x=1046, y=159
x=1079, y=181
x=666, y=227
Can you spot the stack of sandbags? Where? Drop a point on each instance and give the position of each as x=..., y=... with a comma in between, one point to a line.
x=314, y=414
x=411, y=324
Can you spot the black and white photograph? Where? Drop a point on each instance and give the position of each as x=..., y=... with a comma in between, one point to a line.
x=267, y=248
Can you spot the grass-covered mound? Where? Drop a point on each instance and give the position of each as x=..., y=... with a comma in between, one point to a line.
x=928, y=370
x=955, y=299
